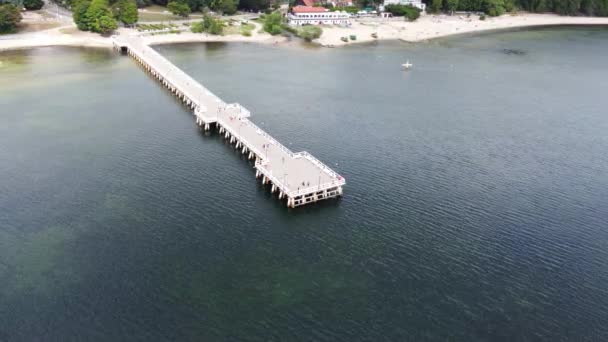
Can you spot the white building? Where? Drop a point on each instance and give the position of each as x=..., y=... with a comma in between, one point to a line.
x=306, y=15
x=414, y=3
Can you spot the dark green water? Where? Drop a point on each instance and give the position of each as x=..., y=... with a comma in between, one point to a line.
x=476, y=206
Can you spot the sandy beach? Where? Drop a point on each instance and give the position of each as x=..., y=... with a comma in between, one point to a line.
x=435, y=26
x=60, y=36
x=426, y=27
x=189, y=37
x=69, y=35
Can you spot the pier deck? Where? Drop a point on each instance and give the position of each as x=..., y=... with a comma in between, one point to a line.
x=297, y=177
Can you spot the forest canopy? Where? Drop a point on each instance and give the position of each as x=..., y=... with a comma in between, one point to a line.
x=103, y=16
x=10, y=16
x=499, y=7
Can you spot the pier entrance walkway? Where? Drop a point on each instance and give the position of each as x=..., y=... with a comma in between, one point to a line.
x=299, y=178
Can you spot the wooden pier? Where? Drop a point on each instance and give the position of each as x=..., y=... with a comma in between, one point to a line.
x=299, y=178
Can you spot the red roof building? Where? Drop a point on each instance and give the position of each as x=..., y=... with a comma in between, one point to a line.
x=308, y=9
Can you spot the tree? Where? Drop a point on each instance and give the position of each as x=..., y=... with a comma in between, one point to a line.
x=310, y=32
x=126, y=11
x=451, y=5
x=216, y=27
x=10, y=16
x=179, y=8
x=367, y=3
x=33, y=4
x=470, y=5
x=79, y=14
x=564, y=7
x=106, y=24
x=494, y=8
x=567, y=7
x=16, y=3
x=273, y=23
x=197, y=27
x=410, y=12
x=99, y=17
x=224, y=6
x=212, y=25
x=228, y=7
x=143, y=3
x=436, y=6
x=196, y=5
x=209, y=24
x=254, y=5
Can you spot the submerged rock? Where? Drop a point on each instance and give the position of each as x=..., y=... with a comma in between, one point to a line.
x=513, y=52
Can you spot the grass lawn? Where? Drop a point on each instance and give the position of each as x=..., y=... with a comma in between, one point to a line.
x=155, y=16
x=155, y=27
x=155, y=8
x=160, y=13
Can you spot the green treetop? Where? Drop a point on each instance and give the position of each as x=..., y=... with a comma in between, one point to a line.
x=179, y=8
x=126, y=11
x=273, y=23
x=10, y=16
x=79, y=14
x=33, y=4
x=99, y=17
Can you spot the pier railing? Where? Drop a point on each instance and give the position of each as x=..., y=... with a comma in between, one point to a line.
x=173, y=72
x=272, y=140
x=260, y=165
x=245, y=142
x=303, y=191
x=318, y=163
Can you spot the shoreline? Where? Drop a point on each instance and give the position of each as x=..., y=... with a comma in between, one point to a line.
x=514, y=29
x=431, y=27
x=189, y=37
x=426, y=28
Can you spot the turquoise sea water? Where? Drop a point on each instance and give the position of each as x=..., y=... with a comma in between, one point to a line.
x=476, y=205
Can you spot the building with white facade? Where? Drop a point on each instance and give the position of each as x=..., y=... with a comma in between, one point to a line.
x=307, y=15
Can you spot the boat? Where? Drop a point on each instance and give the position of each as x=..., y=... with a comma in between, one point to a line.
x=353, y=37
x=374, y=35
x=407, y=65
x=344, y=39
